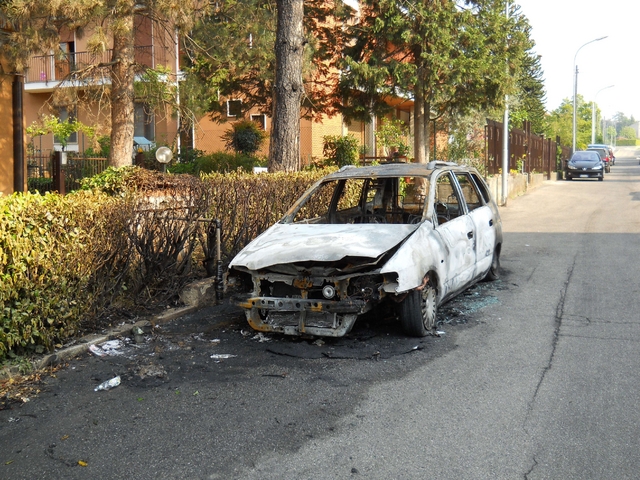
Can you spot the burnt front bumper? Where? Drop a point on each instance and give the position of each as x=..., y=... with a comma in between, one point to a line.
x=297, y=316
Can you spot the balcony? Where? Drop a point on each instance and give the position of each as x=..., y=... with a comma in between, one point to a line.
x=45, y=72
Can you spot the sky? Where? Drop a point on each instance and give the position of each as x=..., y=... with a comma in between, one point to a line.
x=561, y=27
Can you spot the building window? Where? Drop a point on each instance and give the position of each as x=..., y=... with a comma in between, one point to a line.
x=143, y=123
x=261, y=120
x=234, y=108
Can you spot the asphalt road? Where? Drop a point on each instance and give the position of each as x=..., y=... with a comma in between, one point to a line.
x=535, y=376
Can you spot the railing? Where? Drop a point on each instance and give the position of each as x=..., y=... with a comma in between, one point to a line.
x=55, y=68
x=40, y=171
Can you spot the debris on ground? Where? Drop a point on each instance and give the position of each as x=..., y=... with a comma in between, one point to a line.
x=261, y=337
x=109, y=384
x=110, y=348
x=222, y=356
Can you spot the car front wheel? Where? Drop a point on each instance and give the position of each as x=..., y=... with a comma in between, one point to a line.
x=418, y=311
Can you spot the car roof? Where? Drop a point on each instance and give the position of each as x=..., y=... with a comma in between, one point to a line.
x=397, y=170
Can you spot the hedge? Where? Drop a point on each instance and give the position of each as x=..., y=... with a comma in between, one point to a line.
x=134, y=237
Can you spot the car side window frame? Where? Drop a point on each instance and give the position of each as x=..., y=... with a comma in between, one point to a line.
x=441, y=217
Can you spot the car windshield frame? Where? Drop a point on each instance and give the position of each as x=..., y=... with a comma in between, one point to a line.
x=583, y=155
x=392, y=199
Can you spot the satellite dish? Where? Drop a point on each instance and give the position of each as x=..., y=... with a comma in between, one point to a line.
x=164, y=154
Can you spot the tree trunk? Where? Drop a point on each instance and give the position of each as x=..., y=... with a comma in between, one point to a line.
x=122, y=95
x=419, y=121
x=284, y=151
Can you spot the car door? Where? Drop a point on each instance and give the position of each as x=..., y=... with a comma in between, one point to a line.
x=457, y=231
x=482, y=217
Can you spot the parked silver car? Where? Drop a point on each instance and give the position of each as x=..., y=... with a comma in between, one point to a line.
x=412, y=234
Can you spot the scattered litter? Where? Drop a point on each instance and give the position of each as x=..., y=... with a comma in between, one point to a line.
x=97, y=350
x=245, y=333
x=14, y=419
x=82, y=463
x=215, y=341
x=109, y=384
x=261, y=337
x=111, y=348
x=222, y=356
x=319, y=342
x=440, y=333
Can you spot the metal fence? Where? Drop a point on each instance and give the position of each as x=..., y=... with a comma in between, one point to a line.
x=40, y=171
x=528, y=152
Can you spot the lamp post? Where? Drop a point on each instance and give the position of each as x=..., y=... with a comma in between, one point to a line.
x=505, y=139
x=575, y=88
x=593, y=114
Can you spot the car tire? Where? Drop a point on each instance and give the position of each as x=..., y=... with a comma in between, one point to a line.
x=418, y=311
x=494, y=270
x=569, y=177
x=600, y=179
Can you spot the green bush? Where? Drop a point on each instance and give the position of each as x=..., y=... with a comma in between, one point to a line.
x=45, y=268
x=341, y=150
x=112, y=180
x=222, y=162
x=244, y=137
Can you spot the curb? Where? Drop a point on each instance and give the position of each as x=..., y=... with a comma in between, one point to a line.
x=85, y=342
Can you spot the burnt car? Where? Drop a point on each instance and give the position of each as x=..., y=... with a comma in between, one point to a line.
x=414, y=235
x=585, y=164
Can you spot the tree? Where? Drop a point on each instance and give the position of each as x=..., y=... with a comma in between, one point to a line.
x=230, y=54
x=451, y=57
x=35, y=28
x=528, y=101
x=561, y=122
x=628, y=132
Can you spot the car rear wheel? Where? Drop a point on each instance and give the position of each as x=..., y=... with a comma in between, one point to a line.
x=418, y=311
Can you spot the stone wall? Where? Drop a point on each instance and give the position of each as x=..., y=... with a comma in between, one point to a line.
x=517, y=184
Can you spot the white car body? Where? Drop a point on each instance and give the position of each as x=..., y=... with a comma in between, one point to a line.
x=385, y=232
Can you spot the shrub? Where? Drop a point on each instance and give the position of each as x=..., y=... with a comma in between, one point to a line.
x=244, y=137
x=222, y=162
x=134, y=238
x=341, y=150
x=45, y=269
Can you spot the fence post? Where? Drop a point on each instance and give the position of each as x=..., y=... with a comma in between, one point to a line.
x=58, y=172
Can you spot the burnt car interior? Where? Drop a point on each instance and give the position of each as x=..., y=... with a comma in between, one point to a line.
x=396, y=200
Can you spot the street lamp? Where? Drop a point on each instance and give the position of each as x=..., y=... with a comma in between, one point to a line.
x=593, y=114
x=575, y=88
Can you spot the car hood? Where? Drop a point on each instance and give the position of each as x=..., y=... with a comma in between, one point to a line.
x=291, y=243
